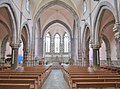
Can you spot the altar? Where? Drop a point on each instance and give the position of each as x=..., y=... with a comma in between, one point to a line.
x=56, y=64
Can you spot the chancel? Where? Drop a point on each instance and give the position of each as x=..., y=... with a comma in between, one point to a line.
x=59, y=44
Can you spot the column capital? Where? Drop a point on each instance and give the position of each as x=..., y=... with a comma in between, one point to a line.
x=13, y=45
x=116, y=30
x=95, y=46
x=26, y=50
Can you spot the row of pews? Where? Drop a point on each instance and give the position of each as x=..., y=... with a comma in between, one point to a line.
x=29, y=78
x=112, y=68
x=79, y=77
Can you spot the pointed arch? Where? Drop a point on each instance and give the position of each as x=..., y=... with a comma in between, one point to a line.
x=57, y=21
x=75, y=15
x=86, y=28
x=59, y=3
x=85, y=45
x=108, y=49
x=62, y=4
x=13, y=16
x=102, y=6
x=27, y=36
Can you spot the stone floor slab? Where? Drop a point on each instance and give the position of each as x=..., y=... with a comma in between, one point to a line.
x=55, y=81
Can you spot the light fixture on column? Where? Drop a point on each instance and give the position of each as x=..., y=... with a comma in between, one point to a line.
x=82, y=19
x=28, y=19
x=96, y=0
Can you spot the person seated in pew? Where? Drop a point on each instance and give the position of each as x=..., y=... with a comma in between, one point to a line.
x=20, y=67
x=90, y=68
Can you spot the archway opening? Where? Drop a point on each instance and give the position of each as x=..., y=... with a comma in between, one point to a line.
x=103, y=56
x=24, y=48
x=87, y=60
x=107, y=41
x=55, y=19
x=6, y=35
x=56, y=38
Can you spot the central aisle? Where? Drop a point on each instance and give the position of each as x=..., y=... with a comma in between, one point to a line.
x=55, y=81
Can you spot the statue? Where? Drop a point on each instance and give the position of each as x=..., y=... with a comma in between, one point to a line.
x=9, y=59
x=71, y=61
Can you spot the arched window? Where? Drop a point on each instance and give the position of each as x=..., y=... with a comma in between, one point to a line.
x=28, y=5
x=57, y=43
x=47, y=41
x=66, y=41
x=84, y=6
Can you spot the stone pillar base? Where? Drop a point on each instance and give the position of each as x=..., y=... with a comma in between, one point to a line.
x=96, y=68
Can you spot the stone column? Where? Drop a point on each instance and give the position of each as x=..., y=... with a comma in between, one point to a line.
x=61, y=50
x=52, y=48
x=39, y=40
x=33, y=43
x=118, y=52
x=14, y=55
x=96, y=57
x=116, y=11
x=108, y=57
x=86, y=58
x=79, y=47
x=2, y=56
x=116, y=30
x=73, y=43
x=26, y=57
x=73, y=49
x=40, y=48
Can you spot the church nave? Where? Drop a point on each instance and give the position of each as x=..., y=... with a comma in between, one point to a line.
x=55, y=81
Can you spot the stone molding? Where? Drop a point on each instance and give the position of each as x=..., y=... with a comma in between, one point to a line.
x=13, y=45
x=95, y=46
x=116, y=30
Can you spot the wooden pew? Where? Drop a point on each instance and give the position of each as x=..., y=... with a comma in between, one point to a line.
x=75, y=73
x=74, y=80
x=20, y=77
x=32, y=82
x=84, y=70
x=37, y=78
x=14, y=86
x=45, y=70
x=92, y=77
x=37, y=73
x=112, y=68
x=93, y=73
x=33, y=79
x=95, y=79
x=95, y=76
x=97, y=85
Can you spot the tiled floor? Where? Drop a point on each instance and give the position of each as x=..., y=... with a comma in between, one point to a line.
x=55, y=81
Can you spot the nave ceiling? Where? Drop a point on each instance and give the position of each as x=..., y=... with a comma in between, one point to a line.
x=55, y=12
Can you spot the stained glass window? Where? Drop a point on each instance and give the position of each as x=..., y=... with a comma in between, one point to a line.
x=66, y=41
x=47, y=43
x=57, y=43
